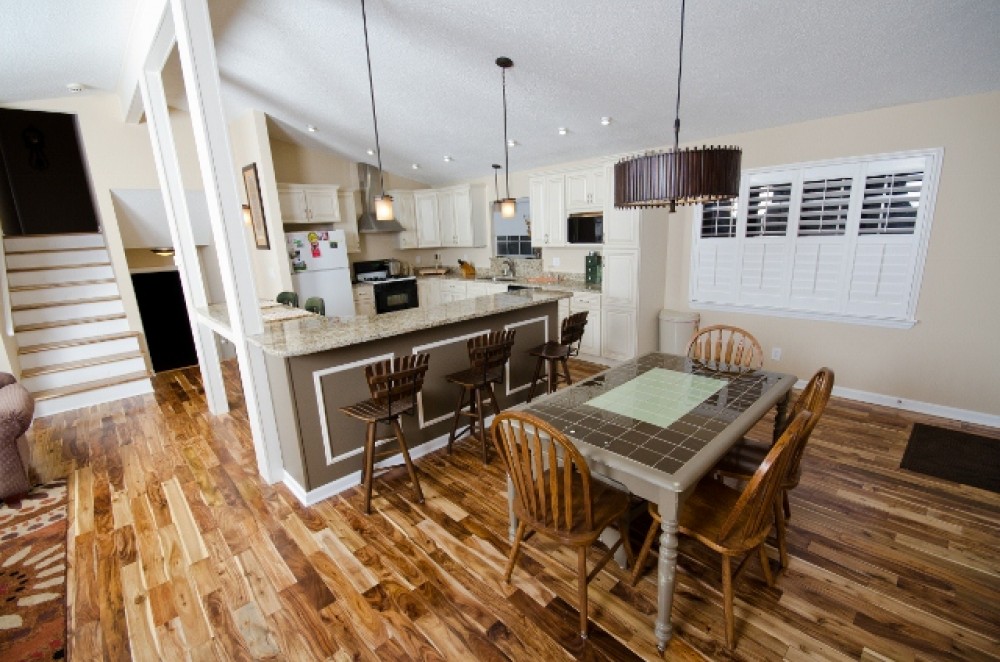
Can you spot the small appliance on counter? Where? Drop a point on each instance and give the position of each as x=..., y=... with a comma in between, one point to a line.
x=468, y=269
x=392, y=292
x=319, y=269
x=594, y=269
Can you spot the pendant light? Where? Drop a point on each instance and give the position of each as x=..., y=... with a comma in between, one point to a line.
x=678, y=176
x=496, y=187
x=383, y=202
x=508, y=205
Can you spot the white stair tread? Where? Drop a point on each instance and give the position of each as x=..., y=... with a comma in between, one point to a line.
x=66, y=283
x=70, y=322
x=90, y=386
x=63, y=302
x=41, y=347
x=82, y=363
x=54, y=267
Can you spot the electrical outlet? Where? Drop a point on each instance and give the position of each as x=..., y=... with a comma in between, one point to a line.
x=416, y=258
x=775, y=353
x=556, y=261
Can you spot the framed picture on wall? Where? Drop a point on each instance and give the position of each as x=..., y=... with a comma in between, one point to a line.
x=256, y=203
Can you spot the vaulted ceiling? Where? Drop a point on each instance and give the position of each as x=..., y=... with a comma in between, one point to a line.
x=747, y=65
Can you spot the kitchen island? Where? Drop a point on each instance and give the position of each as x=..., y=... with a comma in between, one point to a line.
x=315, y=365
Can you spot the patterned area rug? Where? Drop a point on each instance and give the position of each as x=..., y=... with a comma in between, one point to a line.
x=33, y=575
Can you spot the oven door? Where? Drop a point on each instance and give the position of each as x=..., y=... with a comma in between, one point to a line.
x=395, y=296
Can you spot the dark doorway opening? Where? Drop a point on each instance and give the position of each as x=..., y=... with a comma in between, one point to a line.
x=165, y=319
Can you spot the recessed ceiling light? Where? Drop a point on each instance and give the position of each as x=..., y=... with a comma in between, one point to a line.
x=415, y=166
x=563, y=131
x=311, y=129
x=76, y=87
x=512, y=143
x=371, y=152
x=605, y=121
x=448, y=159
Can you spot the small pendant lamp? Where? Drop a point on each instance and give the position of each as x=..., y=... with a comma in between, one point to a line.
x=496, y=187
x=508, y=205
x=678, y=176
x=383, y=202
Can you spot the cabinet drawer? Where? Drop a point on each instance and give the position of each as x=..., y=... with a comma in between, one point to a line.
x=586, y=301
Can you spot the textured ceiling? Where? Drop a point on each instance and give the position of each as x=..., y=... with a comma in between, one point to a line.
x=747, y=65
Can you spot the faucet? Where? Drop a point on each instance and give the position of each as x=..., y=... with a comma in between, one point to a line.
x=508, y=265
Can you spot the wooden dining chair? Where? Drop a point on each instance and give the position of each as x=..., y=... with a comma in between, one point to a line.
x=555, y=495
x=734, y=523
x=725, y=344
x=743, y=459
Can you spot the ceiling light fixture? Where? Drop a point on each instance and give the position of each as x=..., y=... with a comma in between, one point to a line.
x=496, y=187
x=563, y=131
x=383, y=202
x=370, y=152
x=247, y=217
x=605, y=121
x=512, y=143
x=76, y=88
x=311, y=129
x=684, y=176
x=508, y=205
x=448, y=159
x=163, y=251
x=415, y=166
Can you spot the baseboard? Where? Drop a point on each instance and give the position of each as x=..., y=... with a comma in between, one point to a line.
x=344, y=483
x=916, y=406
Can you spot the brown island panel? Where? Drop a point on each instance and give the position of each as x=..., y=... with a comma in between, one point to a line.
x=320, y=445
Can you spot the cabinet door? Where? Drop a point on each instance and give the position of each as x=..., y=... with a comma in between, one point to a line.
x=292, y=202
x=591, y=342
x=578, y=190
x=428, y=231
x=463, y=217
x=536, y=201
x=446, y=218
x=598, y=187
x=405, y=211
x=323, y=204
x=618, y=333
x=620, y=278
x=555, y=211
x=621, y=226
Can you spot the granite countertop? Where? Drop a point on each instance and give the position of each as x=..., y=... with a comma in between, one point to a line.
x=313, y=334
x=570, y=285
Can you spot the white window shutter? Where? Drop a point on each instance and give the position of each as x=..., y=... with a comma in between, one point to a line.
x=817, y=275
x=882, y=276
x=762, y=271
x=715, y=271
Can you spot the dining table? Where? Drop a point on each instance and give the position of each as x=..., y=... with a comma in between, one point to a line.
x=658, y=424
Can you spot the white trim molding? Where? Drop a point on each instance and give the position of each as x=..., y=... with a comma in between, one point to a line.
x=534, y=320
x=420, y=396
x=317, y=376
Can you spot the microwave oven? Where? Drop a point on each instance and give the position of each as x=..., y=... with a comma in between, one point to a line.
x=586, y=228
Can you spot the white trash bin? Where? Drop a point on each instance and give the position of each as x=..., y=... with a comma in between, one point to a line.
x=676, y=329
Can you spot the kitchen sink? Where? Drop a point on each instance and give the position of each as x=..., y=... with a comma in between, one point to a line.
x=498, y=279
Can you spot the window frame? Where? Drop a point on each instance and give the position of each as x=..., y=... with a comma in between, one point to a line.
x=759, y=277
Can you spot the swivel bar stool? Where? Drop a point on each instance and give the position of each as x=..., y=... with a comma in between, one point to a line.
x=394, y=385
x=556, y=354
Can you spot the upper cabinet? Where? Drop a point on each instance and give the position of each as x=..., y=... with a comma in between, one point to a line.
x=621, y=226
x=454, y=217
x=309, y=203
x=548, y=210
x=585, y=190
x=405, y=210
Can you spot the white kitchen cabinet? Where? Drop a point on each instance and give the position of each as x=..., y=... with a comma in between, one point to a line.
x=585, y=190
x=473, y=290
x=405, y=210
x=590, y=302
x=428, y=229
x=464, y=217
x=349, y=222
x=548, y=211
x=308, y=203
x=446, y=218
x=453, y=290
x=618, y=337
x=620, y=278
x=428, y=292
x=621, y=226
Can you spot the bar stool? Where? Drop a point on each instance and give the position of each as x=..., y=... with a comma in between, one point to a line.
x=394, y=385
x=488, y=356
x=553, y=353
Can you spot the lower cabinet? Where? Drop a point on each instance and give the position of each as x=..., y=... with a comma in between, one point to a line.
x=591, y=302
x=618, y=333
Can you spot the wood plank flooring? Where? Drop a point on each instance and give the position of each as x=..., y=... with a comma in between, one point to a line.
x=179, y=551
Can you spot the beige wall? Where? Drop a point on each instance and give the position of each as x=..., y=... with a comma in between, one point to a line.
x=949, y=358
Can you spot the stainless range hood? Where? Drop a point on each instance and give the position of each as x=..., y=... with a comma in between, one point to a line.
x=367, y=223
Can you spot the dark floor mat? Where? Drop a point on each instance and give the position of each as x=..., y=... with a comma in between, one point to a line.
x=960, y=457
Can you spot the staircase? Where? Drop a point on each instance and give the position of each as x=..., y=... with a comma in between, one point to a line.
x=75, y=347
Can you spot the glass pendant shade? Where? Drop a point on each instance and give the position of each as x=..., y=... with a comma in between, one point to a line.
x=508, y=208
x=383, y=208
x=247, y=218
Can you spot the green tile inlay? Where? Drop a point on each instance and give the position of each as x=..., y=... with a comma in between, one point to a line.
x=659, y=396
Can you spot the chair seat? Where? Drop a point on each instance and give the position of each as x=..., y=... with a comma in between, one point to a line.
x=609, y=503
x=373, y=411
x=704, y=513
x=550, y=350
x=472, y=377
x=744, y=458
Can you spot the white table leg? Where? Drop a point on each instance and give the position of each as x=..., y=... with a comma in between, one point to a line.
x=667, y=568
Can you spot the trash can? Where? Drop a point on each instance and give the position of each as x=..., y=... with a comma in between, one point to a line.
x=676, y=329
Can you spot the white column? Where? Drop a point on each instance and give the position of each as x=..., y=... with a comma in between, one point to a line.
x=178, y=218
x=201, y=78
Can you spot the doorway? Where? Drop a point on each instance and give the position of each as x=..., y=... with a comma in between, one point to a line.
x=164, y=319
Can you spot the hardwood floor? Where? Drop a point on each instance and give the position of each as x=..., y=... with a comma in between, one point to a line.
x=178, y=550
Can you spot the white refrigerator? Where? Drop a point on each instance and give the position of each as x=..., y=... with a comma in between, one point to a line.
x=320, y=269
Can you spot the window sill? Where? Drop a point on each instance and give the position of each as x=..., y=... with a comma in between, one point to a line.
x=886, y=322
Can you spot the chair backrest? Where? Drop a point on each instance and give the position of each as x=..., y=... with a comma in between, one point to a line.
x=751, y=517
x=489, y=353
x=726, y=344
x=288, y=299
x=529, y=447
x=813, y=399
x=572, y=330
x=315, y=305
x=397, y=380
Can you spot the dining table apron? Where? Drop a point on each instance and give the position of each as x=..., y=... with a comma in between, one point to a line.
x=658, y=424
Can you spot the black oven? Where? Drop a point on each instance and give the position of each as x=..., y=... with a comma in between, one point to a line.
x=395, y=295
